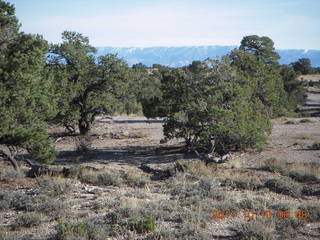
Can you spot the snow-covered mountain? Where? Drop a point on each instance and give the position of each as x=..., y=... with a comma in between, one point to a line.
x=181, y=56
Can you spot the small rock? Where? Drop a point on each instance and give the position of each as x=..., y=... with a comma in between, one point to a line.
x=8, y=215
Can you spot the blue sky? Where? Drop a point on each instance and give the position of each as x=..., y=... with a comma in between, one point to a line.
x=144, y=23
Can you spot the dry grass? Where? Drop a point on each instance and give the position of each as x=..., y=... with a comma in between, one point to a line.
x=200, y=169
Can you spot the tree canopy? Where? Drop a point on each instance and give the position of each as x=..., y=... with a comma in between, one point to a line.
x=25, y=90
x=87, y=86
x=302, y=66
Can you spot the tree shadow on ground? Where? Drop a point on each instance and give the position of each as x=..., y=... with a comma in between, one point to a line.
x=133, y=155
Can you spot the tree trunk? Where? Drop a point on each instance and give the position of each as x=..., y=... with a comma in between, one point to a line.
x=85, y=135
x=5, y=151
x=84, y=127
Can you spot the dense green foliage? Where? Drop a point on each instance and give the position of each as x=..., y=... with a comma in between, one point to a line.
x=144, y=85
x=231, y=101
x=211, y=100
x=25, y=89
x=294, y=88
x=302, y=66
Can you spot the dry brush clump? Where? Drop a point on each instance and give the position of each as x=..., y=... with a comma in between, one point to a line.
x=135, y=179
x=251, y=183
x=274, y=165
x=257, y=229
x=313, y=211
x=284, y=186
x=26, y=220
x=54, y=186
x=303, y=176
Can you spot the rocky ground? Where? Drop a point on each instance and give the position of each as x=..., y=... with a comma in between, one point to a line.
x=107, y=194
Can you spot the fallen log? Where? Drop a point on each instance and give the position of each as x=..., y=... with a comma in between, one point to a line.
x=210, y=158
x=162, y=174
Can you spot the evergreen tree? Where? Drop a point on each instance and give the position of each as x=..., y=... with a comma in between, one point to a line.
x=302, y=66
x=87, y=86
x=257, y=59
x=25, y=91
x=295, y=88
x=216, y=102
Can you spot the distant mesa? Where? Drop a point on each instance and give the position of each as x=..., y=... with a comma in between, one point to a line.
x=181, y=56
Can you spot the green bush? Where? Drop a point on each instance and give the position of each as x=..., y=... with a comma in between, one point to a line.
x=217, y=102
x=142, y=225
x=68, y=231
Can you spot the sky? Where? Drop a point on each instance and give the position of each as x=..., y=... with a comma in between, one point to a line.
x=291, y=24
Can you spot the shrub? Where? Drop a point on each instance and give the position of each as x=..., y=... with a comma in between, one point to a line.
x=288, y=228
x=313, y=210
x=310, y=191
x=5, y=200
x=273, y=165
x=54, y=208
x=306, y=120
x=284, y=186
x=139, y=134
x=302, y=176
x=205, y=188
x=314, y=146
x=243, y=183
x=23, y=202
x=281, y=206
x=142, y=225
x=88, y=176
x=12, y=173
x=257, y=204
x=26, y=220
x=253, y=230
x=54, y=186
x=82, y=230
x=200, y=168
x=133, y=179
x=109, y=178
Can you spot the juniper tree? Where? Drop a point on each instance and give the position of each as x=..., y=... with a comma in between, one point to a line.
x=258, y=60
x=87, y=86
x=25, y=91
x=302, y=66
x=217, y=103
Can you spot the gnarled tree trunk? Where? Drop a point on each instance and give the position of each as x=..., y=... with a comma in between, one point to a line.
x=85, y=135
x=7, y=153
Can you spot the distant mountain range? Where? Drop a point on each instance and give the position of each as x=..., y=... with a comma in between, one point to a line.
x=181, y=56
